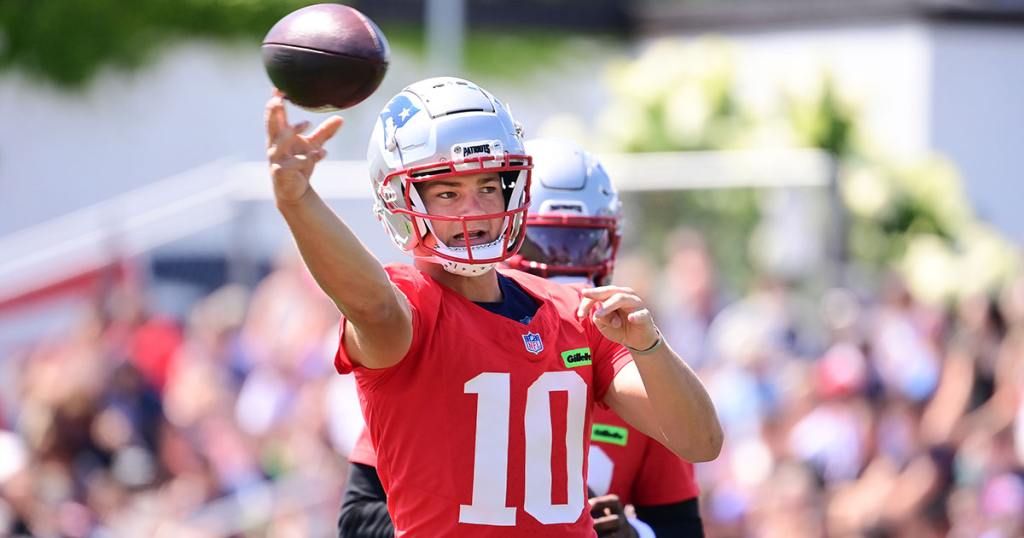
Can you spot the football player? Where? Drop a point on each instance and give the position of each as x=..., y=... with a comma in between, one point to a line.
x=480, y=419
x=574, y=227
x=572, y=235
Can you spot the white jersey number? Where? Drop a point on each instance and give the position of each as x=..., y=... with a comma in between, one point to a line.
x=490, y=459
x=600, y=471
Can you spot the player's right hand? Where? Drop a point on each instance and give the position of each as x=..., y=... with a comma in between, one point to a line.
x=292, y=155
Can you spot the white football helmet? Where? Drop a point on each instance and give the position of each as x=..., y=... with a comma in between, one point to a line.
x=575, y=221
x=444, y=127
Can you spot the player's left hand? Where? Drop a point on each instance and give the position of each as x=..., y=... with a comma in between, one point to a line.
x=620, y=314
x=610, y=517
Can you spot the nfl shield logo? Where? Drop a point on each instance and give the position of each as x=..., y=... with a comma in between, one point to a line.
x=533, y=343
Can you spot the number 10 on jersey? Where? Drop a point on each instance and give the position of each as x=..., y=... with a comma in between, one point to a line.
x=491, y=449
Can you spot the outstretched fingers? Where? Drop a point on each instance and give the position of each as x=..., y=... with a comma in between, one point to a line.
x=289, y=141
x=276, y=119
x=302, y=160
x=279, y=131
x=325, y=131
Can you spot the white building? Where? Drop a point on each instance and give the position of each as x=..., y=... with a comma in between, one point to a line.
x=934, y=75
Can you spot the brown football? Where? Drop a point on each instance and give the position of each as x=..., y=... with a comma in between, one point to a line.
x=326, y=56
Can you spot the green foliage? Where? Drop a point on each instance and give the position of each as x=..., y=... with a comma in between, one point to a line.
x=914, y=216
x=681, y=98
x=68, y=41
x=826, y=122
x=508, y=54
x=908, y=213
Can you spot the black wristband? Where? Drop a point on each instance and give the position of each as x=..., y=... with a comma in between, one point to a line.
x=651, y=349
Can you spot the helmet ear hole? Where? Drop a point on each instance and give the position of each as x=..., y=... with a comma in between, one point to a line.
x=508, y=184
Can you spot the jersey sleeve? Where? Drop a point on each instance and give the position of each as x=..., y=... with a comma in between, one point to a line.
x=363, y=452
x=663, y=478
x=424, y=298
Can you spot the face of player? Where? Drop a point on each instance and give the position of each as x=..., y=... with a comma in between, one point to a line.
x=464, y=196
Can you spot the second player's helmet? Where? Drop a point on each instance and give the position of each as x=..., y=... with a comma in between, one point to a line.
x=444, y=127
x=575, y=221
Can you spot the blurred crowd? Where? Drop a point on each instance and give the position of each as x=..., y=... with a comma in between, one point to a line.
x=851, y=413
x=847, y=413
x=228, y=423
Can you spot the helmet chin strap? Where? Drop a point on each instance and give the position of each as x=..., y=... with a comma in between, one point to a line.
x=466, y=269
x=484, y=251
x=458, y=268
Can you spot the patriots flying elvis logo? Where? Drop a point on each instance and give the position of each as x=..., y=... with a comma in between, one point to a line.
x=399, y=110
x=533, y=343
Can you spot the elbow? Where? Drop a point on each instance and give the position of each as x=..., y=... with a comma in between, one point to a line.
x=710, y=447
x=700, y=448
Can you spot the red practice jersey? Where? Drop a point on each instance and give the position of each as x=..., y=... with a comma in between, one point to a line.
x=363, y=451
x=623, y=461
x=483, y=428
x=635, y=467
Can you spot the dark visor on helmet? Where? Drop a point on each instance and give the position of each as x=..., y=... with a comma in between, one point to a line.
x=567, y=247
